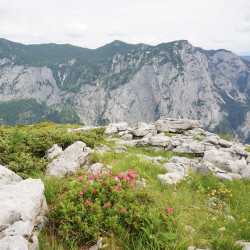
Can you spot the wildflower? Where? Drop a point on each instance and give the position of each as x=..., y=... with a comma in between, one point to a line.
x=116, y=190
x=85, y=186
x=98, y=173
x=90, y=176
x=132, y=183
x=104, y=174
x=88, y=202
x=213, y=218
x=82, y=202
x=198, y=191
x=109, y=175
x=243, y=220
x=104, y=182
x=230, y=195
x=107, y=204
x=170, y=210
x=178, y=182
x=120, y=175
x=80, y=178
x=128, y=170
x=128, y=178
x=95, y=190
x=81, y=192
x=174, y=220
x=133, y=174
x=96, y=176
x=222, y=229
x=124, y=210
x=119, y=185
x=100, y=181
x=63, y=195
x=162, y=213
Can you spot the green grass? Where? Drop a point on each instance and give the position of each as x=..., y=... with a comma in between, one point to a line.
x=198, y=222
x=149, y=151
x=191, y=203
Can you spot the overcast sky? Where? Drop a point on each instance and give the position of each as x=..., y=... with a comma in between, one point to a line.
x=210, y=24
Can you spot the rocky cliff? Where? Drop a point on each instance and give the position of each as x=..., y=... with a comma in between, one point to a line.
x=123, y=82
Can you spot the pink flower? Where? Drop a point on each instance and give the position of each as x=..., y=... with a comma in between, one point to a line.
x=128, y=170
x=170, y=210
x=124, y=210
x=104, y=174
x=90, y=176
x=128, y=178
x=119, y=185
x=162, y=213
x=132, y=183
x=167, y=207
x=63, y=195
x=107, y=204
x=98, y=173
x=116, y=190
x=82, y=202
x=100, y=181
x=174, y=220
x=80, y=178
x=96, y=176
x=88, y=202
x=81, y=192
x=95, y=190
x=109, y=175
x=133, y=174
x=120, y=175
x=85, y=186
x=104, y=182
x=114, y=178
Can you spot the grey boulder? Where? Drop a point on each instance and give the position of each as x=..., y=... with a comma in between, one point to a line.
x=70, y=160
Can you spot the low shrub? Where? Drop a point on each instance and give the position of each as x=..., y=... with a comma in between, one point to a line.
x=22, y=148
x=111, y=206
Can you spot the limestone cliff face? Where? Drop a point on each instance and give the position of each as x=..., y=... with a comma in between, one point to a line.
x=138, y=83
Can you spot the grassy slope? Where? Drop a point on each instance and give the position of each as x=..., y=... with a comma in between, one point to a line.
x=199, y=222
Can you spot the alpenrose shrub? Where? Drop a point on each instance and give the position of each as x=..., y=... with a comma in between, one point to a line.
x=107, y=205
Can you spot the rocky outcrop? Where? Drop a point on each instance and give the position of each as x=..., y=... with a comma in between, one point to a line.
x=53, y=152
x=23, y=211
x=225, y=159
x=70, y=160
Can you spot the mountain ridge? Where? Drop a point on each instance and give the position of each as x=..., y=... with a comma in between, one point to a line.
x=126, y=82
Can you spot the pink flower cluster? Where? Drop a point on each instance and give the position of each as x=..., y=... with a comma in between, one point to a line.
x=107, y=204
x=80, y=178
x=132, y=174
x=132, y=183
x=124, y=210
x=170, y=211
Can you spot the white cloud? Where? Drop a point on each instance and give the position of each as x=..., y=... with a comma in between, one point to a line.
x=209, y=24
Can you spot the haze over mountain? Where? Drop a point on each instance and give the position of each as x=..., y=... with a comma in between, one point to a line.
x=124, y=82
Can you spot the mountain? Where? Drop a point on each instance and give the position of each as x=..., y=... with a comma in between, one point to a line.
x=125, y=82
x=246, y=58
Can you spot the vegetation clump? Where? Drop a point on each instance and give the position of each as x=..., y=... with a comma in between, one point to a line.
x=22, y=148
x=108, y=205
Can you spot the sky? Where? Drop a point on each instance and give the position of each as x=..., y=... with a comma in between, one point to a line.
x=210, y=24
